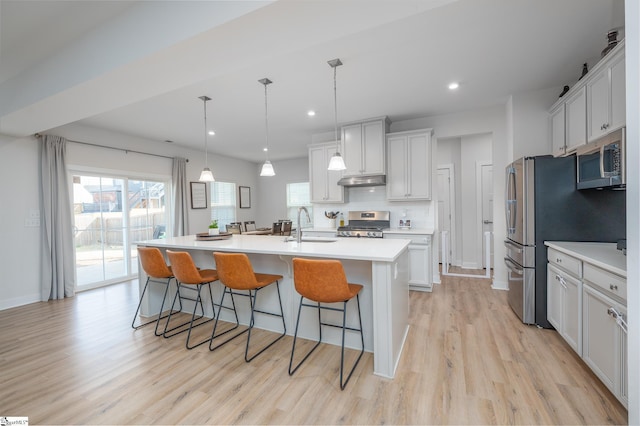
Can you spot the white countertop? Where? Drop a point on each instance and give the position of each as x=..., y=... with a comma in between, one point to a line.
x=603, y=255
x=370, y=249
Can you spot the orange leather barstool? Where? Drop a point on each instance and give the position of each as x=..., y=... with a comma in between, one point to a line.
x=156, y=268
x=189, y=277
x=324, y=281
x=237, y=275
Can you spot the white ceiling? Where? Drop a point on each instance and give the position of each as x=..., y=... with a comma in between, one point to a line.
x=398, y=55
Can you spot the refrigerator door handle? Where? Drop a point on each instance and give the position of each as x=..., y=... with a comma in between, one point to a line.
x=510, y=203
x=512, y=246
x=513, y=267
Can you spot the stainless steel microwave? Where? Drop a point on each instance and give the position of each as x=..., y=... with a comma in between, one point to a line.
x=601, y=164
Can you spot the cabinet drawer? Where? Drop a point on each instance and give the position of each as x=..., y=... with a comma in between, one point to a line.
x=559, y=275
x=610, y=283
x=564, y=261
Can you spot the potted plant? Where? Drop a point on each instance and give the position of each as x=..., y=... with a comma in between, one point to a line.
x=213, y=228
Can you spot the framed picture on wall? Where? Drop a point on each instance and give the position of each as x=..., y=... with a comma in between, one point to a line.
x=245, y=197
x=198, y=195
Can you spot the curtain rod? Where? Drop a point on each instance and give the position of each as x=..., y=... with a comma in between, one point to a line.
x=37, y=135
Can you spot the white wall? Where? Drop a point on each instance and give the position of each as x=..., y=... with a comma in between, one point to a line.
x=19, y=251
x=272, y=191
x=531, y=130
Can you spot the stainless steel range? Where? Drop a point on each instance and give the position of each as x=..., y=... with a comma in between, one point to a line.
x=365, y=224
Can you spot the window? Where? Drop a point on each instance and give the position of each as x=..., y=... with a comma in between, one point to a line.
x=223, y=203
x=110, y=214
x=298, y=196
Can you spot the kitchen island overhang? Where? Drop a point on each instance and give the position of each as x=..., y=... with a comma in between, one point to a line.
x=381, y=266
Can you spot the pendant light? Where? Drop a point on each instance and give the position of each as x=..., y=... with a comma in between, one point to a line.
x=337, y=162
x=267, y=167
x=206, y=175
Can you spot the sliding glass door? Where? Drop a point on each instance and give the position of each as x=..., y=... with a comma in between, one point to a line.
x=110, y=215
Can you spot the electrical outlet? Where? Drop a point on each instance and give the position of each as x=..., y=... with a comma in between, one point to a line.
x=31, y=222
x=34, y=214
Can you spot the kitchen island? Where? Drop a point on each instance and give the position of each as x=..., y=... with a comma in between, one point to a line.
x=381, y=266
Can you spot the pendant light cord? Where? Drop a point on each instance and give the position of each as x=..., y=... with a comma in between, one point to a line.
x=206, y=162
x=266, y=122
x=335, y=108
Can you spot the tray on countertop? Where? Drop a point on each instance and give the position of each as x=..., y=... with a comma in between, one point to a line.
x=204, y=236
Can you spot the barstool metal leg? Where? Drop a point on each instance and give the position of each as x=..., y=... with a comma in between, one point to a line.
x=253, y=301
x=295, y=337
x=160, y=316
x=198, y=301
x=215, y=325
x=344, y=327
x=193, y=317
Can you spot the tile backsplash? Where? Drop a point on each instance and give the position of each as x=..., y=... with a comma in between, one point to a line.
x=420, y=213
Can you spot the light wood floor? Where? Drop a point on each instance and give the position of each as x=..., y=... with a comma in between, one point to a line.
x=467, y=361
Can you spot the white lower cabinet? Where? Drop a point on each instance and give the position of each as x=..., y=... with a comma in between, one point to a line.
x=564, y=306
x=605, y=340
x=587, y=306
x=419, y=260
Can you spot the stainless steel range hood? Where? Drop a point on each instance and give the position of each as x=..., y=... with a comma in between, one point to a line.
x=376, y=180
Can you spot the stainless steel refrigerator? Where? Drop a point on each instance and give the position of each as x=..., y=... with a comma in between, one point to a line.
x=542, y=204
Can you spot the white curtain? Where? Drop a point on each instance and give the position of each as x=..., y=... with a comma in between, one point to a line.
x=56, y=221
x=181, y=197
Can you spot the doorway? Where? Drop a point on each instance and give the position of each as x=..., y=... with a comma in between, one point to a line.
x=446, y=207
x=485, y=212
x=110, y=214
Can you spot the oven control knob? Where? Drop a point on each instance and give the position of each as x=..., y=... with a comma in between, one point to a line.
x=358, y=235
x=370, y=234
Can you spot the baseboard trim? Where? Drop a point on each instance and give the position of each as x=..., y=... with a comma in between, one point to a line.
x=499, y=285
x=19, y=301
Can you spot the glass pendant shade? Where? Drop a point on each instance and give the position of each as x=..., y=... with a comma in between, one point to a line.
x=267, y=169
x=206, y=175
x=336, y=163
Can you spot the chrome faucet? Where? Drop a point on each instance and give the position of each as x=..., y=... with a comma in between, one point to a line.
x=299, y=231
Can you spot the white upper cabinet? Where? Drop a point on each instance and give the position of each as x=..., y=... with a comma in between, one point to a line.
x=557, y=130
x=576, y=120
x=593, y=107
x=606, y=97
x=364, y=147
x=323, y=182
x=409, y=165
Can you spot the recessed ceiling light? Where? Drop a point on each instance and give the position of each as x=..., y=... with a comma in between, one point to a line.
x=453, y=86
x=311, y=113
x=211, y=132
x=265, y=149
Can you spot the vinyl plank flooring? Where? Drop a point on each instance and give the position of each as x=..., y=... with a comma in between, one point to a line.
x=467, y=360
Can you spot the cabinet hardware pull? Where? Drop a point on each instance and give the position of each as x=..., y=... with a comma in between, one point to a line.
x=558, y=260
x=613, y=287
